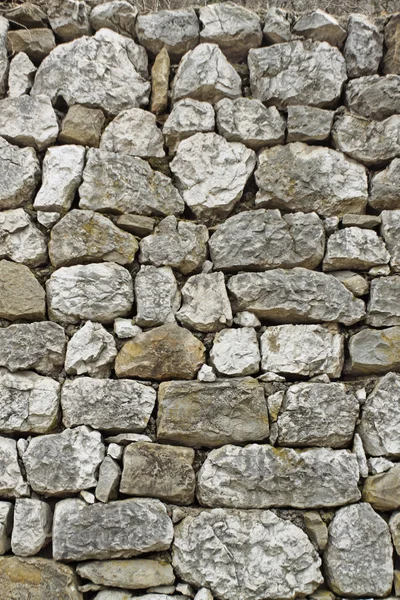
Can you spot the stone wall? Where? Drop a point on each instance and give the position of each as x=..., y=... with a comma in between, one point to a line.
x=199, y=304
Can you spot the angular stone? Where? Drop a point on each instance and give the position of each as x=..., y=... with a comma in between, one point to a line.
x=317, y=414
x=206, y=373
x=211, y=548
x=27, y=14
x=263, y=239
x=205, y=74
x=308, y=124
x=277, y=25
x=38, y=346
x=28, y=121
x=187, y=117
x=91, y=351
x=21, y=295
x=158, y=471
x=160, y=82
x=118, y=15
x=236, y=352
x=124, y=328
x=355, y=283
x=29, y=403
x=295, y=296
x=391, y=58
x=181, y=245
x=19, y=175
x=383, y=308
x=374, y=351
x=206, y=305
x=364, y=47
x=115, y=530
x=249, y=122
x=99, y=292
x=83, y=236
x=64, y=463
x=20, y=240
x=305, y=350
x=310, y=73
x=37, y=578
x=354, y=248
x=69, y=19
x=316, y=529
x=363, y=221
x=82, y=125
x=12, y=483
x=373, y=96
x=118, y=183
x=390, y=231
x=35, y=43
x=379, y=465
x=394, y=525
x=200, y=414
x=6, y=523
x=382, y=491
x=261, y=476
x=233, y=27
x=108, y=480
x=133, y=132
x=136, y=224
x=107, y=404
x=319, y=26
x=139, y=573
x=310, y=178
x=167, y=352
x=32, y=526
x=157, y=296
x=90, y=69
x=246, y=319
x=175, y=30
x=21, y=75
x=385, y=187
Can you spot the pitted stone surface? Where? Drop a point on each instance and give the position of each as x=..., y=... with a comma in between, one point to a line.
x=32, y=526
x=364, y=47
x=390, y=232
x=384, y=193
x=308, y=124
x=133, y=132
x=12, y=483
x=186, y=118
x=20, y=240
x=157, y=296
x=28, y=121
x=20, y=173
x=355, y=248
x=374, y=351
x=373, y=96
x=383, y=309
x=236, y=352
x=91, y=351
x=137, y=573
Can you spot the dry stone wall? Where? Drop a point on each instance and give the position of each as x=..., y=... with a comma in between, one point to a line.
x=199, y=303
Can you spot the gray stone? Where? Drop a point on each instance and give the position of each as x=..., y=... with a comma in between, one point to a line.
x=391, y=59
x=205, y=305
x=358, y=559
x=261, y=476
x=136, y=224
x=12, y=483
x=187, y=117
x=382, y=491
x=265, y=239
x=205, y=74
x=108, y=480
x=374, y=351
x=27, y=14
x=115, y=451
x=118, y=183
x=310, y=178
x=379, y=465
x=354, y=248
x=383, y=308
x=309, y=124
x=310, y=73
x=204, y=594
x=236, y=352
x=124, y=329
x=175, y=30
x=316, y=529
x=277, y=25
x=394, y=525
x=82, y=125
x=317, y=414
x=28, y=121
x=69, y=19
x=36, y=43
x=32, y=526
x=132, y=574
x=38, y=346
x=319, y=26
x=20, y=240
x=157, y=296
x=3, y=56
x=99, y=292
x=204, y=159
x=355, y=283
x=90, y=69
x=305, y=350
x=363, y=221
x=21, y=295
x=373, y=96
x=391, y=234
x=158, y=471
x=6, y=522
x=83, y=236
x=181, y=245
x=358, y=450
x=133, y=132
x=246, y=319
x=200, y=414
x=295, y=296
x=210, y=549
x=107, y=404
x=29, y=403
x=385, y=187
x=19, y=175
x=128, y=438
x=114, y=530
x=21, y=75
x=91, y=351
x=118, y=15
x=364, y=47
x=233, y=27
x=249, y=122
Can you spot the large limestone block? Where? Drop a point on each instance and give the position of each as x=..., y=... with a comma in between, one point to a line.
x=89, y=70
x=205, y=74
x=134, y=132
x=69, y=19
x=246, y=555
x=295, y=296
x=39, y=346
x=19, y=175
x=263, y=476
x=310, y=73
x=64, y=463
x=354, y=248
x=200, y=414
x=187, y=117
x=32, y=526
x=320, y=26
x=374, y=351
x=83, y=236
x=299, y=177
x=167, y=352
x=28, y=121
x=385, y=187
x=115, y=530
x=383, y=307
x=265, y=239
x=29, y=403
x=236, y=352
x=134, y=574
x=99, y=292
x=358, y=559
x=157, y=296
x=107, y=404
x=391, y=59
x=204, y=159
x=37, y=578
x=382, y=491
x=364, y=46
x=119, y=183
x=118, y=15
x=20, y=240
x=305, y=350
x=373, y=96
x=159, y=471
x=12, y=483
x=21, y=295
x=317, y=414
x=390, y=231
x=91, y=350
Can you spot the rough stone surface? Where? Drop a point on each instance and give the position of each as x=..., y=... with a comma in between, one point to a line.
x=355, y=248
x=21, y=75
x=355, y=283
x=394, y=526
x=211, y=549
x=309, y=124
x=391, y=59
x=12, y=483
x=28, y=121
x=138, y=573
x=69, y=19
x=364, y=47
x=21, y=295
x=383, y=309
x=236, y=352
x=160, y=82
x=36, y=43
x=157, y=296
x=32, y=526
x=385, y=185
x=19, y=172
x=374, y=351
x=133, y=132
x=320, y=27
x=187, y=117
x=118, y=15
x=277, y=25
x=20, y=240
x=373, y=96
x=382, y=490
x=91, y=351
x=82, y=125
x=6, y=524
x=108, y=480
x=390, y=231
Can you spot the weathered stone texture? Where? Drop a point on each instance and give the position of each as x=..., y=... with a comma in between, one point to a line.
x=157, y=296
x=20, y=173
x=133, y=574
x=12, y=483
x=20, y=240
x=32, y=526
x=21, y=295
x=374, y=351
x=28, y=121
x=355, y=248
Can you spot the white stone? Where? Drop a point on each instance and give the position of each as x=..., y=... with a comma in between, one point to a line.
x=124, y=329
x=204, y=594
x=157, y=296
x=115, y=451
x=383, y=308
x=28, y=121
x=206, y=373
x=187, y=117
x=6, y=523
x=364, y=46
x=354, y=248
x=277, y=25
x=12, y=483
x=91, y=351
x=236, y=352
x=21, y=75
x=246, y=319
x=32, y=526
x=19, y=175
x=20, y=240
x=3, y=55
x=379, y=465
x=374, y=351
x=385, y=187
x=358, y=450
x=205, y=303
x=47, y=219
x=134, y=131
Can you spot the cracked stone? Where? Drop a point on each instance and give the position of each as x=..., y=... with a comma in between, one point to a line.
x=119, y=16
x=187, y=117
x=373, y=96
x=385, y=187
x=157, y=296
x=133, y=132
x=21, y=75
x=236, y=352
x=383, y=309
x=20, y=240
x=12, y=483
x=390, y=231
x=91, y=351
x=28, y=121
x=308, y=124
x=32, y=526
x=363, y=48
x=355, y=248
